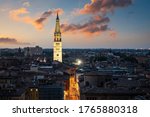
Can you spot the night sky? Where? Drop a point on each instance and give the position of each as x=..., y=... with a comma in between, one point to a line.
x=84, y=23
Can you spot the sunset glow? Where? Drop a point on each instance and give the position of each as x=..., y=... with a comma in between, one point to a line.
x=84, y=24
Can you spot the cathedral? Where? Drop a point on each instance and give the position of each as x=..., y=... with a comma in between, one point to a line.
x=57, y=50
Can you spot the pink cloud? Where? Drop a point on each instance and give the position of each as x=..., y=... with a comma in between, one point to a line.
x=95, y=25
x=103, y=6
x=22, y=15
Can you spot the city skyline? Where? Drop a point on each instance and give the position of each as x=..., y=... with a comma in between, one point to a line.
x=95, y=23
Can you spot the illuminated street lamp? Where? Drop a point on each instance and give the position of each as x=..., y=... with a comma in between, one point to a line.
x=78, y=62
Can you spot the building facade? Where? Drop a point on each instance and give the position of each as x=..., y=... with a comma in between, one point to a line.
x=33, y=51
x=57, y=50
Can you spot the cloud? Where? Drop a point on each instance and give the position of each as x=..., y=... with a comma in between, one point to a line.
x=26, y=4
x=59, y=11
x=15, y=14
x=46, y=15
x=7, y=40
x=22, y=15
x=95, y=25
x=99, y=23
x=103, y=6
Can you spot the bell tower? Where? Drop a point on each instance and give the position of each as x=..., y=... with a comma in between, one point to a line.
x=57, y=50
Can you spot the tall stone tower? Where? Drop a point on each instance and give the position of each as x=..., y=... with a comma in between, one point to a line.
x=57, y=50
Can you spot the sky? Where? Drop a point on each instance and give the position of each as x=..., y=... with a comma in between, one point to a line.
x=84, y=23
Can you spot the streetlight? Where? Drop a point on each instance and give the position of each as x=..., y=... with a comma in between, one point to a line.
x=78, y=62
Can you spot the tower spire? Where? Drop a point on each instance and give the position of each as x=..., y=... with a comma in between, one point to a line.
x=57, y=28
x=57, y=16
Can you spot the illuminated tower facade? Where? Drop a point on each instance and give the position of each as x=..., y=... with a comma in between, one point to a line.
x=57, y=50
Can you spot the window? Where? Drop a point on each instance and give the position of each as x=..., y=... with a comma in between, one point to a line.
x=57, y=48
x=57, y=44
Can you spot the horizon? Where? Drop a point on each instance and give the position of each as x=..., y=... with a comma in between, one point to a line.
x=83, y=48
